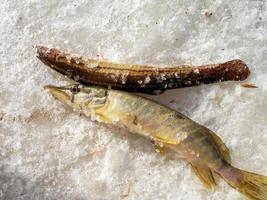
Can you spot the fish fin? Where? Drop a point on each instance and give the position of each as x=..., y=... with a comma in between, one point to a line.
x=104, y=119
x=253, y=186
x=223, y=149
x=164, y=140
x=205, y=176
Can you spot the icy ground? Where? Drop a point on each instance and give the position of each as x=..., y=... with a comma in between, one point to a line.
x=49, y=152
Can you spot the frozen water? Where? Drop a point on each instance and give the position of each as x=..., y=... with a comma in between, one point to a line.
x=49, y=152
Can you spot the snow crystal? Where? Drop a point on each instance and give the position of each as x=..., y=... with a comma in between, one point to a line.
x=176, y=75
x=124, y=78
x=76, y=77
x=92, y=64
x=147, y=79
x=163, y=77
x=196, y=71
x=77, y=61
x=140, y=82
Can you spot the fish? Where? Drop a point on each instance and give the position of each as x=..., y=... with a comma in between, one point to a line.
x=139, y=78
x=167, y=129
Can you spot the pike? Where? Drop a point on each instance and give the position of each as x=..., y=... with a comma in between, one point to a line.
x=167, y=129
x=139, y=78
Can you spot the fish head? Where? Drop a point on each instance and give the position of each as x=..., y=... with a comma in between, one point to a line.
x=79, y=96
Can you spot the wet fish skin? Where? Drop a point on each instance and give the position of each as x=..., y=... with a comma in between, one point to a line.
x=201, y=147
x=139, y=78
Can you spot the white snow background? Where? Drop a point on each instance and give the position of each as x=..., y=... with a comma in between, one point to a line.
x=47, y=151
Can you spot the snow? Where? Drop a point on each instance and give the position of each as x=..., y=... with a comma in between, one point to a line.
x=47, y=151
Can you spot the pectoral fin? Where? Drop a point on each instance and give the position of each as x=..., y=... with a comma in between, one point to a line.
x=165, y=140
x=104, y=119
x=205, y=176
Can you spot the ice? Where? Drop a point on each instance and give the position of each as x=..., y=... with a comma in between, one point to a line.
x=196, y=71
x=147, y=79
x=47, y=151
x=140, y=82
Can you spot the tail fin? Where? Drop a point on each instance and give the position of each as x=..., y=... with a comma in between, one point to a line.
x=253, y=186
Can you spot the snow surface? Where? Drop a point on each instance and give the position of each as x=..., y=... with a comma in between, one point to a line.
x=47, y=151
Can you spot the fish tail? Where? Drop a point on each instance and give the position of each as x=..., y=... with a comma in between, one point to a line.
x=253, y=186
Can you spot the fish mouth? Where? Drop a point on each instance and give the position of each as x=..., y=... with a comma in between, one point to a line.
x=59, y=93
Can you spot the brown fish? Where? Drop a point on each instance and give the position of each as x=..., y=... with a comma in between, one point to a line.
x=139, y=78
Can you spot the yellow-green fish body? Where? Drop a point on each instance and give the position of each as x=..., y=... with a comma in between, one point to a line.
x=202, y=148
x=160, y=124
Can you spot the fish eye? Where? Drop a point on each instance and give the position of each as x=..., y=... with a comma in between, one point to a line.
x=75, y=89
